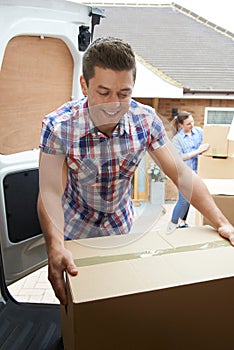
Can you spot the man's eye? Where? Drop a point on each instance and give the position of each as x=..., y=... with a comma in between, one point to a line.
x=103, y=93
x=124, y=95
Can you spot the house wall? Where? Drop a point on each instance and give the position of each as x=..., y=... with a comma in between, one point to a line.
x=195, y=106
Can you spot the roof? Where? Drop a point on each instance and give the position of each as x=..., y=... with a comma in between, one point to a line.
x=176, y=44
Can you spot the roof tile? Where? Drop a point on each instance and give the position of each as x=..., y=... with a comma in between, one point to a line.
x=177, y=43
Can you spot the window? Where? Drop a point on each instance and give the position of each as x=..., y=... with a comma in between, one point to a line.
x=218, y=115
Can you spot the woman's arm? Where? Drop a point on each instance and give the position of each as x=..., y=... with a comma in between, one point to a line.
x=202, y=148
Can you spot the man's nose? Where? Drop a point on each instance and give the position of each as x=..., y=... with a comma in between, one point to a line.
x=113, y=105
x=114, y=98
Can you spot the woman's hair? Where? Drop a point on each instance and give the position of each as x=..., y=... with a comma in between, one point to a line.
x=179, y=119
x=108, y=53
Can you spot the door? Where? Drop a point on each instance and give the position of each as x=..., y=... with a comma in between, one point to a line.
x=36, y=78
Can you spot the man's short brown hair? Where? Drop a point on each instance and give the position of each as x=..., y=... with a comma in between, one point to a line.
x=108, y=53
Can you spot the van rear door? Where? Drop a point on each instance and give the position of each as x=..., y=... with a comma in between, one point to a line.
x=41, y=48
x=23, y=245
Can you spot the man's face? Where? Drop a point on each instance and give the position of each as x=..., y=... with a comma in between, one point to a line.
x=109, y=94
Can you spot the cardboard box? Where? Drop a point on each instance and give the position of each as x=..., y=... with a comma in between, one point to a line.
x=230, y=138
x=158, y=291
x=215, y=168
x=216, y=136
x=223, y=194
x=226, y=205
x=231, y=149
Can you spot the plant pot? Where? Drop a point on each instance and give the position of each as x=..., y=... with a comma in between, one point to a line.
x=157, y=193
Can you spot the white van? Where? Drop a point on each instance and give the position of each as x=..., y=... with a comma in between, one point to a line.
x=41, y=45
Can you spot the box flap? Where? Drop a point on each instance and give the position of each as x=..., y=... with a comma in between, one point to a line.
x=153, y=262
x=204, y=264
x=116, y=245
x=192, y=236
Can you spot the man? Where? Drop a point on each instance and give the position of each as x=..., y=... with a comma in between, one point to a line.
x=89, y=152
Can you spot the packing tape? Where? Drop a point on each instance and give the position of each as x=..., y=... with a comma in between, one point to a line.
x=96, y=260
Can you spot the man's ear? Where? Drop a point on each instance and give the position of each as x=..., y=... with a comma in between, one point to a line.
x=83, y=85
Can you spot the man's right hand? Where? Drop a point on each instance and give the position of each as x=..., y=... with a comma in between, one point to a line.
x=60, y=261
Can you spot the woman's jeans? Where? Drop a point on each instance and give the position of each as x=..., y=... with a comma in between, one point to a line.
x=180, y=210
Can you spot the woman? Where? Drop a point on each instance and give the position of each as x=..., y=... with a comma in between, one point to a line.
x=188, y=142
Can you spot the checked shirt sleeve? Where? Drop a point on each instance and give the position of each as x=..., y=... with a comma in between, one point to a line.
x=158, y=134
x=51, y=141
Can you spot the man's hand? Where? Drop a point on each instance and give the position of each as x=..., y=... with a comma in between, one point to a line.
x=227, y=231
x=59, y=262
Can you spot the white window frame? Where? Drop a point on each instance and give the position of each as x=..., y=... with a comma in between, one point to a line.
x=224, y=109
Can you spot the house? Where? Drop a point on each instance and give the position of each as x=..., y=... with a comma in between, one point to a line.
x=184, y=62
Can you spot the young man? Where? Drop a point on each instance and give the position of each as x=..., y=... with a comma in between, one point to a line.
x=89, y=152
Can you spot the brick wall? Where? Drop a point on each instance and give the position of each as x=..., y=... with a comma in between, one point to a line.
x=196, y=107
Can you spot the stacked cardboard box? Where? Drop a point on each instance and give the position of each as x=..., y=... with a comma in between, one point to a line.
x=156, y=291
x=218, y=161
x=216, y=167
x=222, y=191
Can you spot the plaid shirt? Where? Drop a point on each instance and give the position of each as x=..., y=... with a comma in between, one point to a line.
x=96, y=200
x=186, y=144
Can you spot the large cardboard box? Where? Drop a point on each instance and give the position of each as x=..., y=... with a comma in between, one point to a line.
x=216, y=136
x=155, y=292
x=222, y=191
x=215, y=168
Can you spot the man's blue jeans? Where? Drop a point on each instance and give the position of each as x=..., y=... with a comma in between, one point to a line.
x=180, y=210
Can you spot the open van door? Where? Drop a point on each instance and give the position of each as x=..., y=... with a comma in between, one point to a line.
x=23, y=245
x=41, y=48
